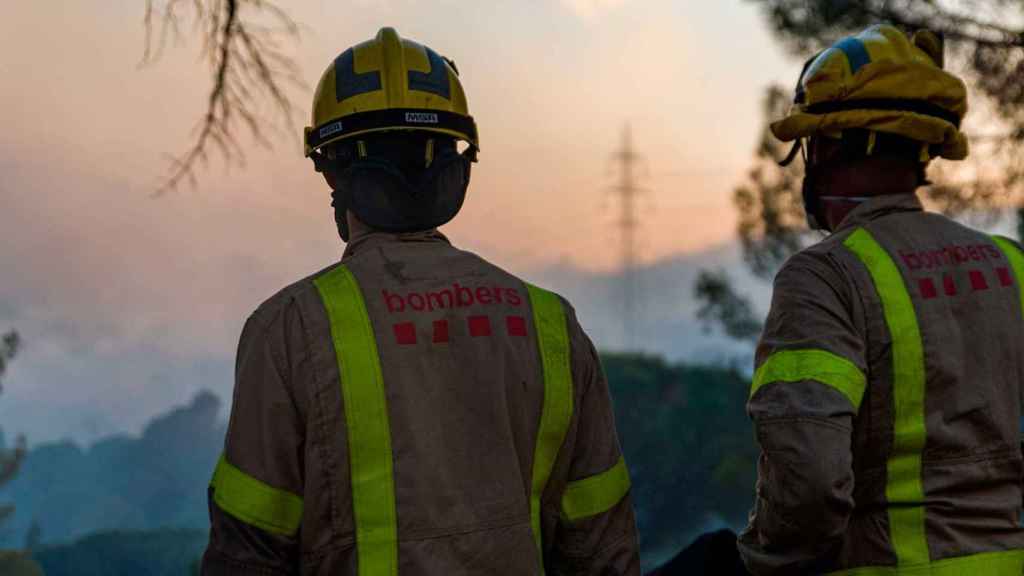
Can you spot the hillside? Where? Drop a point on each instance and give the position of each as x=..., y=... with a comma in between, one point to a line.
x=683, y=430
x=155, y=480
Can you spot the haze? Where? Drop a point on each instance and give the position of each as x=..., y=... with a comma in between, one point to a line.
x=130, y=304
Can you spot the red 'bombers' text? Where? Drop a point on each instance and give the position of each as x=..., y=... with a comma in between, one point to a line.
x=949, y=256
x=457, y=296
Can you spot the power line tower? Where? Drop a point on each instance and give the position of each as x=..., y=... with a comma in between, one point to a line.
x=625, y=160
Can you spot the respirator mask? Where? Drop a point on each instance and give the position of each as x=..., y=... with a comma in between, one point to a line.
x=812, y=202
x=397, y=181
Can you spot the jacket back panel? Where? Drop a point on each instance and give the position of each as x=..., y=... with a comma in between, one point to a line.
x=968, y=310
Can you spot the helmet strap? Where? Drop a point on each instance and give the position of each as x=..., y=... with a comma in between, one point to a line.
x=798, y=146
x=812, y=203
x=340, y=203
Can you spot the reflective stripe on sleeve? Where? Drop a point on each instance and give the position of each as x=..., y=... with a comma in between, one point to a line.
x=1013, y=254
x=1007, y=562
x=596, y=494
x=904, y=491
x=553, y=342
x=255, y=502
x=367, y=423
x=817, y=365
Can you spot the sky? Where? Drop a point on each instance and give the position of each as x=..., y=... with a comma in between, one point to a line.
x=129, y=304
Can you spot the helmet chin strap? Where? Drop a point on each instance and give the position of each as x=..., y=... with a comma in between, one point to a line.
x=339, y=201
x=812, y=203
x=854, y=199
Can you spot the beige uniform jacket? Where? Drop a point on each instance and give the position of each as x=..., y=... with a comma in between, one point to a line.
x=463, y=388
x=887, y=402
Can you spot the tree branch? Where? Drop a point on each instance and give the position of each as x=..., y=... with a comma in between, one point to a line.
x=247, y=67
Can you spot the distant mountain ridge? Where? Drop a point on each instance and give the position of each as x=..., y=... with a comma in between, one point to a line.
x=155, y=480
x=666, y=307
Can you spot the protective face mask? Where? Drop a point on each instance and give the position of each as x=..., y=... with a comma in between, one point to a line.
x=381, y=196
x=814, y=205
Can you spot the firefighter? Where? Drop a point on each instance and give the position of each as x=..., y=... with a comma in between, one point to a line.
x=414, y=409
x=887, y=391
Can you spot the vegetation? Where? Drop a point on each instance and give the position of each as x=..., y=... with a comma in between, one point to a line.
x=10, y=460
x=689, y=446
x=985, y=44
x=242, y=47
x=14, y=563
x=683, y=429
x=121, y=483
x=167, y=552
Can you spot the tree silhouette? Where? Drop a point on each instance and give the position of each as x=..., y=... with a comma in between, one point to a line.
x=721, y=304
x=243, y=46
x=34, y=536
x=15, y=563
x=981, y=46
x=10, y=460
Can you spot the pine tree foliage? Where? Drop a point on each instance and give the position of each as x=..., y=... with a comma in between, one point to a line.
x=10, y=460
x=721, y=305
x=772, y=225
x=984, y=45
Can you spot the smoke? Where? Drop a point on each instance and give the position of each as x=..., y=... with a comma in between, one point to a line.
x=127, y=304
x=588, y=9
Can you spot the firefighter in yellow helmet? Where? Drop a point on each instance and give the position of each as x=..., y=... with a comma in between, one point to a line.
x=414, y=409
x=887, y=391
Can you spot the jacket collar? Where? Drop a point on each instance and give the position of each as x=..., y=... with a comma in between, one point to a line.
x=370, y=240
x=879, y=206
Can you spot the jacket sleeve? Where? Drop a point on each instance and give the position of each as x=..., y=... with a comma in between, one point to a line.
x=255, y=497
x=806, y=391
x=595, y=526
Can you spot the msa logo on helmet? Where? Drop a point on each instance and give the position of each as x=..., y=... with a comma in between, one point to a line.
x=420, y=118
x=332, y=128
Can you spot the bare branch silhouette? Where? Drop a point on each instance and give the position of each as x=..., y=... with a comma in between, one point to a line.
x=242, y=44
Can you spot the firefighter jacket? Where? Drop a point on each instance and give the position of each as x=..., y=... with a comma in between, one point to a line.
x=416, y=410
x=887, y=402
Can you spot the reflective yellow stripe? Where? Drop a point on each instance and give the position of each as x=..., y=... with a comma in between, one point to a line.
x=367, y=423
x=904, y=492
x=985, y=564
x=553, y=341
x=596, y=494
x=254, y=502
x=1016, y=259
x=818, y=365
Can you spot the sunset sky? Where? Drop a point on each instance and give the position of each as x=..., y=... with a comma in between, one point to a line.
x=129, y=304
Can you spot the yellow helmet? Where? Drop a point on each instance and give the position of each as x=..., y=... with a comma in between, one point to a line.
x=389, y=83
x=881, y=80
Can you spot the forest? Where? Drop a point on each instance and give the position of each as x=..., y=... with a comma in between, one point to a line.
x=126, y=502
